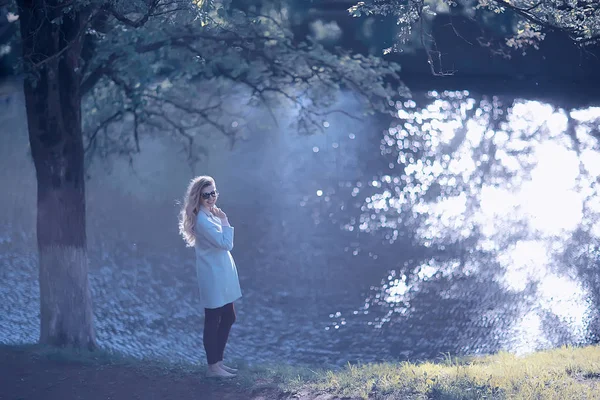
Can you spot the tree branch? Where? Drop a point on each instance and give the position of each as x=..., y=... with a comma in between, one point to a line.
x=103, y=125
x=428, y=51
x=533, y=7
x=525, y=13
x=139, y=22
x=178, y=128
x=203, y=112
x=521, y=11
x=98, y=73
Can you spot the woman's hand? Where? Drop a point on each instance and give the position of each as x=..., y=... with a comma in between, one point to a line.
x=217, y=212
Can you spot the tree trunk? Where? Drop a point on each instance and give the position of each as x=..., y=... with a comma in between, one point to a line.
x=51, y=53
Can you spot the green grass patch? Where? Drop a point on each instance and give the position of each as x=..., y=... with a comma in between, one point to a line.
x=564, y=373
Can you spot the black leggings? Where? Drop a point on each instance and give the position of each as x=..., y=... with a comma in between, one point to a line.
x=217, y=324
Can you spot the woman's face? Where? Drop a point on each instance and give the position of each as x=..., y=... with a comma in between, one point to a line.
x=208, y=197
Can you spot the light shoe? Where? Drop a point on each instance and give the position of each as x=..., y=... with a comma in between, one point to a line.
x=226, y=368
x=218, y=373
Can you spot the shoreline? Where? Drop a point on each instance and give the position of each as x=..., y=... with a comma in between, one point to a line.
x=41, y=372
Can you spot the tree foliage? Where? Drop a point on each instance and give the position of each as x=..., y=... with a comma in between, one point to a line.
x=528, y=20
x=144, y=61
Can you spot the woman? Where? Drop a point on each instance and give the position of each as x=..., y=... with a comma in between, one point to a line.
x=206, y=228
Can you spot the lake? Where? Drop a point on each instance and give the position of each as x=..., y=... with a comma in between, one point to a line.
x=467, y=225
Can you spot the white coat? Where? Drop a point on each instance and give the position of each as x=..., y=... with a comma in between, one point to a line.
x=216, y=271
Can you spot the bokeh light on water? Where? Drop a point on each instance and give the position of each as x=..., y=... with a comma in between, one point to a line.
x=495, y=192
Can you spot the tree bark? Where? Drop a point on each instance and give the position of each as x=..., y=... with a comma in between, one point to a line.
x=51, y=53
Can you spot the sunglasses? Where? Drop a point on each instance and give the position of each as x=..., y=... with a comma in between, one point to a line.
x=206, y=196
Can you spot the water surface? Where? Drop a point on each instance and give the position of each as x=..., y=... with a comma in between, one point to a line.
x=468, y=226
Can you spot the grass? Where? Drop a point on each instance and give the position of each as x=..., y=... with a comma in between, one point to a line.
x=566, y=373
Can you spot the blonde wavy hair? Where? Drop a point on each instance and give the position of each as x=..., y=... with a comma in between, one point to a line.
x=191, y=208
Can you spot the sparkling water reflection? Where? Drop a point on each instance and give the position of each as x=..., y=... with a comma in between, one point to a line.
x=495, y=190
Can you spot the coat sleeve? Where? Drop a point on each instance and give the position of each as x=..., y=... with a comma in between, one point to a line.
x=220, y=237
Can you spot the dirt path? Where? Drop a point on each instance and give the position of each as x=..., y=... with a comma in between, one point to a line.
x=25, y=376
